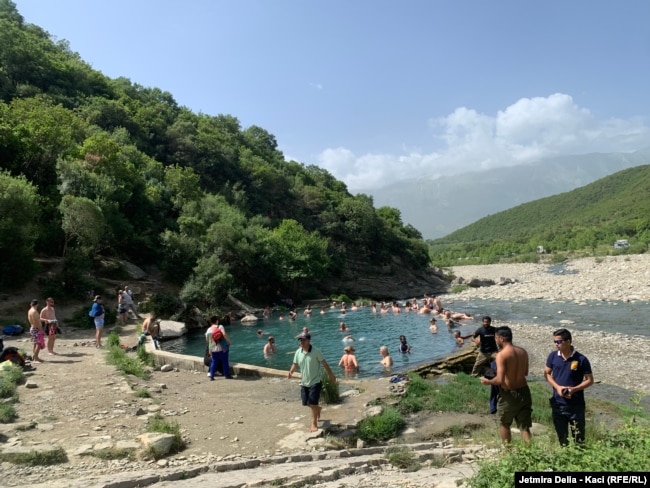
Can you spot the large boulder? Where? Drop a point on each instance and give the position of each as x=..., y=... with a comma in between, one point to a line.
x=479, y=282
x=170, y=329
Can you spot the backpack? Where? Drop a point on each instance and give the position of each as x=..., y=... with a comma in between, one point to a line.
x=217, y=335
x=12, y=330
x=12, y=354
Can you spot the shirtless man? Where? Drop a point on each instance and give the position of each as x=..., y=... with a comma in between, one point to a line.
x=49, y=323
x=270, y=348
x=35, y=330
x=515, y=402
x=437, y=306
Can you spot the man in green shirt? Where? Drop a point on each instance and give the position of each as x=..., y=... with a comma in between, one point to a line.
x=310, y=361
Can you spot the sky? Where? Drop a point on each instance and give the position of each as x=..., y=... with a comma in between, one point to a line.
x=379, y=91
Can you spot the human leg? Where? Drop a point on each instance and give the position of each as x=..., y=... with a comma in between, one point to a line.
x=51, y=337
x=577, y=424
x=481, y=360
x=213, y=364
x=561, y=424
x=225, y=365
x=99, y=328
x=310, y=398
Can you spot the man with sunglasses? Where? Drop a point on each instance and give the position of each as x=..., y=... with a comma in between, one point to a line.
x=569, y=373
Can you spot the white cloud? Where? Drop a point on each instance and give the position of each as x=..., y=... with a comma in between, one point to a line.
x=527, y=130
x=318, y=86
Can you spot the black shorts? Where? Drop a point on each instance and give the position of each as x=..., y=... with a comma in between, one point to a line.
x=310, y=394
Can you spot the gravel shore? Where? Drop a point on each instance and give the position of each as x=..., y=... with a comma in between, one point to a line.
x=617, y=359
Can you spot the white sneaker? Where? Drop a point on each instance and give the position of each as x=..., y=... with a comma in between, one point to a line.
x=208, y=375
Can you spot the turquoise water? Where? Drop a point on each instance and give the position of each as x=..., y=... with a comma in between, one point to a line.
x=370, y=331
x=373, y=330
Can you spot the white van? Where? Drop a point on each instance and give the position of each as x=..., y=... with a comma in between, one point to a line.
x=621, y=244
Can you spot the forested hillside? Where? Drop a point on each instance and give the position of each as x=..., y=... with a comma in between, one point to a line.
x=93, y=166
x=588, y=219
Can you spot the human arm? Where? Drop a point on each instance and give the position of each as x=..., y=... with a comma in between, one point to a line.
x=500, y=375
x=292, y=369
x=548, y=376
x=225, y=335
x=329, y=371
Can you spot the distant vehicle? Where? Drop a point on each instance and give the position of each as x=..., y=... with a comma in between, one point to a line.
x=540, y=250
x=621, y=244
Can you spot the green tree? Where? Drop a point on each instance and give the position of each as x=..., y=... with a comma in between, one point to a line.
x=19, y=212
x=82, y=220
x=298, y=257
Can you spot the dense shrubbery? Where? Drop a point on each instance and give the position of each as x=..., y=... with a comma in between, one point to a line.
x=97, y=166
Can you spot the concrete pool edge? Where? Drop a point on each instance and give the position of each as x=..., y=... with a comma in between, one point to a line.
x=458, y=361
x=194, y=363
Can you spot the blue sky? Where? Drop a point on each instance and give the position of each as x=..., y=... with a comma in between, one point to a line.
x=378, y=91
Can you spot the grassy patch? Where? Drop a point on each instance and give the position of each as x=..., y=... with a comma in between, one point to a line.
x=126, y=364
x=113, y=340
x=114, y=453
x=464, y=394
x=7, y=413
x=403, y=458
x=158, y=423
x=10, y=376
x=627, y=449
x=144, y=356
x=381, y=427
x=142, y=393
x=459, y=288
x=36, y=458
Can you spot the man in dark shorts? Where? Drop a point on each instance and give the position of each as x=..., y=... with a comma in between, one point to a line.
x=487, y=346
x=569, y=373
x=310, y=361
x=515, y=402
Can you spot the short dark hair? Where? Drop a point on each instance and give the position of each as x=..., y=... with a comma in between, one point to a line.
x=563, y=333
x=214, y=319
x=488, y=318
x=505, y=332
x=33, y=302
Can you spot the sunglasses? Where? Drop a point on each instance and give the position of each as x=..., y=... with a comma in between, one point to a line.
x=559, y=341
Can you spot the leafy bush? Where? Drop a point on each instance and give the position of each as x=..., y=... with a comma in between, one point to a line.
x=381, y=427
x=162, y=304
x=330, y=391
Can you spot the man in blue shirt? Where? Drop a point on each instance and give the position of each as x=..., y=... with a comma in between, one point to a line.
x=310, y=361
x=569, y=373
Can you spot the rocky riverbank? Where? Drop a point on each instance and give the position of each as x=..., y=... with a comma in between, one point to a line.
x=617, y=359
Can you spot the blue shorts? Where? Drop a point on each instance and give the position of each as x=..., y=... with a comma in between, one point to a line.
x=310, y=394
x=99, y=323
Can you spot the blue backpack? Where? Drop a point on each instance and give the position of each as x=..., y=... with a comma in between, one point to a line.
x=12, y=330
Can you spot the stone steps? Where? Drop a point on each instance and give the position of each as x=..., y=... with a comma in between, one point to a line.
x=365, y=467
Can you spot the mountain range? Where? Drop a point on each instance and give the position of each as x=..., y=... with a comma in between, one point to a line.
x=437, y=207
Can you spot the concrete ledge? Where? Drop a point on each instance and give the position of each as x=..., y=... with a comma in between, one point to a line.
x=194, y=363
